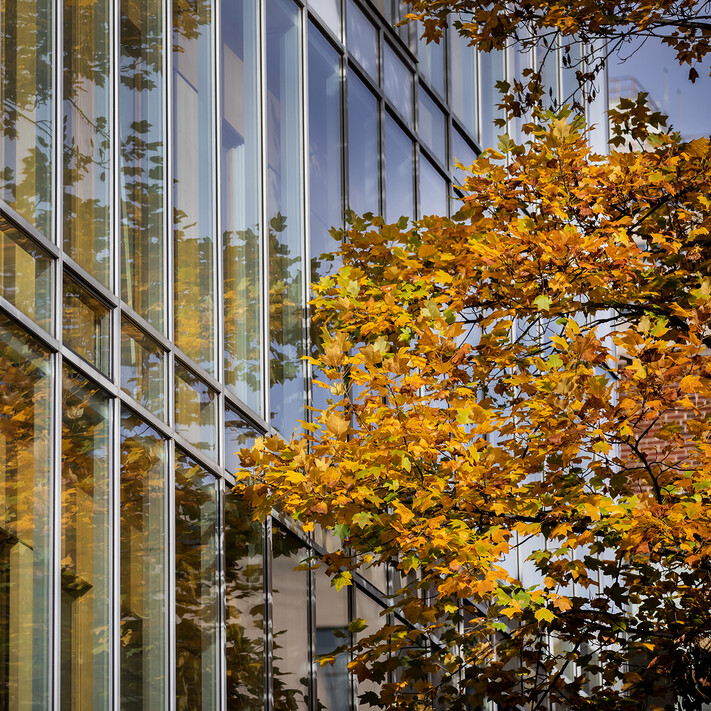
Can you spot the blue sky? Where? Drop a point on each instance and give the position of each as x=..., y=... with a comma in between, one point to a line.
x=655, y=68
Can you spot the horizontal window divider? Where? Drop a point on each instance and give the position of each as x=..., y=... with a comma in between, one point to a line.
x=145, y=414
x=89, y=371
x=436, y=162
x=199, y=372
x=371, y=83
x=326, y=31
x=29, y=230
x=29, y=325
x=396, y=116
x=291, y=526
x=464, y=132
x=198, y=455
x=146, y=327
x=85, y=280
x=245, y=411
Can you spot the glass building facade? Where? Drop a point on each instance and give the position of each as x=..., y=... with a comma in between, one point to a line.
x=169, y=172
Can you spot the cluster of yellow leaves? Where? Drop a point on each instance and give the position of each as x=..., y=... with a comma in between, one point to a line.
x=529, y=381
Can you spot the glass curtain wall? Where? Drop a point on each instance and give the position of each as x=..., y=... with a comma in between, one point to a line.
x=240, y=192
x=141, y=87
x=26, y=106
x=25, y=520
x=284, y=208
x=193, y=178
x=86, y=79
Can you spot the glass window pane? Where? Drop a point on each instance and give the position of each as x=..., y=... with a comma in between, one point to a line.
x=362, y=40
x=86, y=546
x=290, y=622
x=399, y=173
x=432, y=126
x=462, y=79
x=363, y=183
x=143, y=535
x=285, y=216
x=325, y=193
x=244, y=608
x=330, y=12
x=195, y=411
x=141, y=152
x=86, y=29
x=431, y=60
x=25, y=450
x=25, y=275
x=86, y=325
x=238, y=434
x=369, y=610
x=463, y=153
x=333, y=682
x=142, y=368
x=193, y=169
x=433, y=190
x=398, y=83
x=491, y=70
x=240, y=202
x=195, y=587
x=26, y=98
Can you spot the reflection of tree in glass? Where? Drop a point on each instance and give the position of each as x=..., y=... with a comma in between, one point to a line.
x=141, y=151
x=142, y=631
x=195, y=586
x=25, y=408
x=242, y=309
x=26, y=109
x=85, y=565
x=285, y=307
x=244, y=608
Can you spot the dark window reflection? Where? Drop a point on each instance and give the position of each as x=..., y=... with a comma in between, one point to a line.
x=290, y=622
x=195, y=587
x=240, y=185
x=26, y=105
x=284, y=202
x=244, y=608
x=25, y=449
x=363, y=183
x=331, y=632
x=86, y=546
x=141, y=137
x=143, y=633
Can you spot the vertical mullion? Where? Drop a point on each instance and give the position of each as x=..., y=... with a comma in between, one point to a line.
x=169, y=315
x=56, y=466
x=264, y=231
x=306, y=205
x=115, y=345
x=268, y=626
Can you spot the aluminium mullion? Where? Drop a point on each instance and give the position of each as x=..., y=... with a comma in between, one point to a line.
x=264, y=232
x=268, y=626
x=216, y=202
x=169, y=316
x=115, y=360
x=28, y=324
x=57, y=370
x=221, y=596
x=306, y=210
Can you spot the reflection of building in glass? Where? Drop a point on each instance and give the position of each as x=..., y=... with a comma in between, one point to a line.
x=169, y=171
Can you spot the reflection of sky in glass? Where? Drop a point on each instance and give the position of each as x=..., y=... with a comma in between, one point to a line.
x=653, y=68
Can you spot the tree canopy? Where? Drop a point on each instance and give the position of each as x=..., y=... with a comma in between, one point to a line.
x=518, y=418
